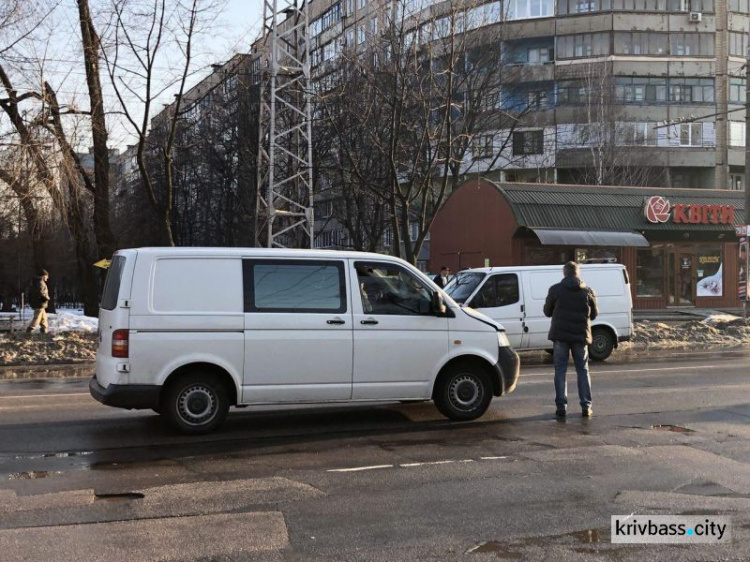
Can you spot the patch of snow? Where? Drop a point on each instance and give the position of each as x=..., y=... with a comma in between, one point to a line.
x=718, y=318
x=66, y=321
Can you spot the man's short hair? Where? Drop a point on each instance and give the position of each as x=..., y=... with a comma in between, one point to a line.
x=570, y=269
x=43, y=272
x=444, y=268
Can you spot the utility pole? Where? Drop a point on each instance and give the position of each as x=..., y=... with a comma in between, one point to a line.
x=746, y=179
x=284, y=211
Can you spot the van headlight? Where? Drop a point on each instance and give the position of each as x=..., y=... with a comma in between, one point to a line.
x=502, y=340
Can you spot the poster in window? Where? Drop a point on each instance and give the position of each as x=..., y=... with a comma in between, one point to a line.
x=710, y=281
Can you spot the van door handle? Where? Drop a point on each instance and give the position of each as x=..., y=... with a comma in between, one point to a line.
x=369, y=322
x=336, y=321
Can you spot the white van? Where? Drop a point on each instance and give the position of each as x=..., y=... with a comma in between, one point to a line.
x=189, y=332
x=514, y=296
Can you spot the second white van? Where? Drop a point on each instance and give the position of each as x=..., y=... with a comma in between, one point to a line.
x=514, y=297
x=189, y=332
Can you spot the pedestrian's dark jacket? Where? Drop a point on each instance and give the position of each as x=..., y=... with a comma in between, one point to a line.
x=438, y=279
x=38, y=294
x=571, y=305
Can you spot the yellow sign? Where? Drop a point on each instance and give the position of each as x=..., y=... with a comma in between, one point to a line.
x=708, y=259
x=104, y=264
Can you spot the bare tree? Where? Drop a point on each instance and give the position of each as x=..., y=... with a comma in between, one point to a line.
x=405, y=114
x=143, y=38
x=609, y=149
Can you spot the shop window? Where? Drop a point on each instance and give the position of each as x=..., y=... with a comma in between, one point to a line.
x=709, y=272
x=649, y=276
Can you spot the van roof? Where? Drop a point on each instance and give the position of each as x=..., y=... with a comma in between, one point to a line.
x=582, y=266
x=255, y=252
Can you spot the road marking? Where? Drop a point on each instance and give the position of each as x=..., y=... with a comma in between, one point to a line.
x=413, y=464
x=359, y=468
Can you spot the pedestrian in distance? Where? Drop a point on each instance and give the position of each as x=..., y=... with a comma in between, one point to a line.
x=441, y=279
x=38, y=300
x=572, y=306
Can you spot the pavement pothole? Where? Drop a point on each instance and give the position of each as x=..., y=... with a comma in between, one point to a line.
x=673, y=428
x=120, y=497
x=32, y=474
x=498, y=549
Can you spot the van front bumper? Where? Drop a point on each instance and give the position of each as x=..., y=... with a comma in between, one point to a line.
x=129, y=396
x=508, y=368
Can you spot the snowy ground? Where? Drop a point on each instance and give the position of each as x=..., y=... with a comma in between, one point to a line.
x=72, y=338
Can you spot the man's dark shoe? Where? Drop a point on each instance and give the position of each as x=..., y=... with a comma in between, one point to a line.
x=560, y=413
x=587, y=412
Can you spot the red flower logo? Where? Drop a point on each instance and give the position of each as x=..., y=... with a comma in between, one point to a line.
x=657, y=209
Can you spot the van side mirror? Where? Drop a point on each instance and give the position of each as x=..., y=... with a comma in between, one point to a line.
x=437, y=306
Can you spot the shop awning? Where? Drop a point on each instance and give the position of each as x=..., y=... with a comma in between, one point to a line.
x=548, y=236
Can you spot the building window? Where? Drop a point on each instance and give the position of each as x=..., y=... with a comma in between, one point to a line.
x=737, y=182
x=640, y=43
x=640, y=89
x=537, y=100
x=582, y=6
x=360, y=34
x=649, y=272
x=691, y=90
x=691, y=134
x=582, y=45
x=523, y=9
x=539, y=55
x=572, y=93
x=482, y=146
x=691, y=44
x=350, y=37
x=637, y=134
x=737, y=90
x=528, y=142
x=739, y=6
x=361, y=4
x=663, y=5
x=738, y=44
x=374, y=26
x=737, y=133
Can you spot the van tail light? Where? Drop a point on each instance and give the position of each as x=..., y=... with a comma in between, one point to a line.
x=120, y=343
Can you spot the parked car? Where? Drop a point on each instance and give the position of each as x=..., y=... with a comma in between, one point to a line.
x=514, y=297
x=189, y=332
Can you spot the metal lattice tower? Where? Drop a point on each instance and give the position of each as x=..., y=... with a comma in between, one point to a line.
x=284, y=213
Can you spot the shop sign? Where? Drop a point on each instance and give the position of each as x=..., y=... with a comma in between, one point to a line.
x=659, y=210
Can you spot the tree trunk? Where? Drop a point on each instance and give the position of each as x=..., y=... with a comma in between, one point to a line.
x=104, y=237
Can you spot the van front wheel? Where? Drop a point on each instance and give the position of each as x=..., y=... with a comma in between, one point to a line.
x=196, y=403
x=602, y=345
x=463, y=393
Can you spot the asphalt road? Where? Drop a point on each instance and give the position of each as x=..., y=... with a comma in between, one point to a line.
x=671, y=435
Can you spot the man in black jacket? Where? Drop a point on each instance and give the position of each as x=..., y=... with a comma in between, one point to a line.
x=572, y=306
x=38, y=299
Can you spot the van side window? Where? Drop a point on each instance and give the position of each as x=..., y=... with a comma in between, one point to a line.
x=388, y=289
x=499, y=290
x=294, y=286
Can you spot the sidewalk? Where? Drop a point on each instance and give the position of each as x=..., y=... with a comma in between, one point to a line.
x=682, y=314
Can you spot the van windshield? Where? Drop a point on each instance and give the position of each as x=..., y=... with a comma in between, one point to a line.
x=112, y=284
x=463, y=284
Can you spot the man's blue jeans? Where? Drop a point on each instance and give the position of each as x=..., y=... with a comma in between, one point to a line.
x=580, y=352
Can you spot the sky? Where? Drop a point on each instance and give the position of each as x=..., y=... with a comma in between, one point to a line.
x=56, y=42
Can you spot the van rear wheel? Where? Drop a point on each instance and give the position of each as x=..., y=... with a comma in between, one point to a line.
x=602, y=345
x=196, y=403
x=463, y=392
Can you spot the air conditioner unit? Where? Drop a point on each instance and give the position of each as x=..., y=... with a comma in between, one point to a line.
x=695, y=17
